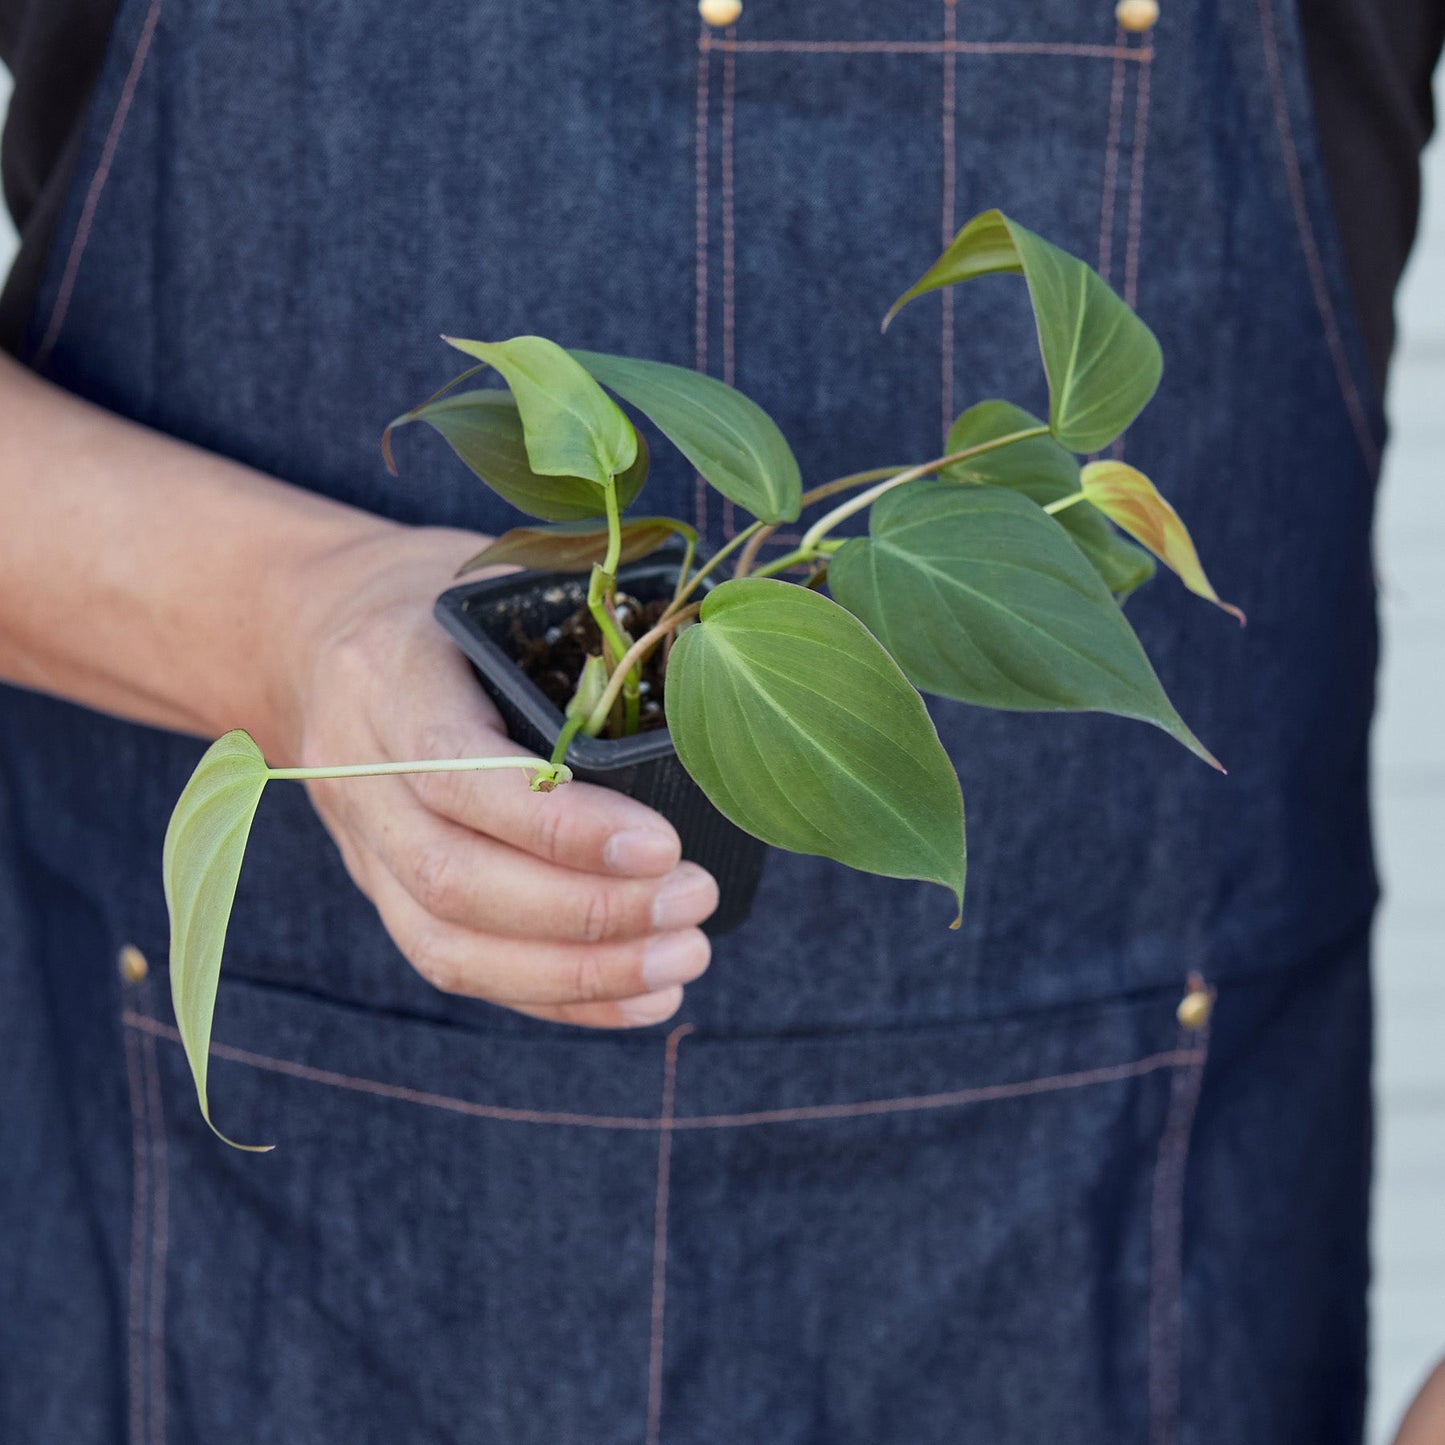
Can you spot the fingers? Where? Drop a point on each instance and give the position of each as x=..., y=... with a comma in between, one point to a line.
x=621, y=984
x=591, y=829
x=462, y=877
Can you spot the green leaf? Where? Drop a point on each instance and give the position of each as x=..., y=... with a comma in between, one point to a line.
x=573, y=428
x=484, y=428
x=1043, y=471
x=1129, y=498
x=1102, y=361
x=204, y=846
x=577, y=546
x=803, y=731
x=981, y=597
x=731, y=440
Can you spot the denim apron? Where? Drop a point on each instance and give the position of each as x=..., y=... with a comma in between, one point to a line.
x=880, y=1183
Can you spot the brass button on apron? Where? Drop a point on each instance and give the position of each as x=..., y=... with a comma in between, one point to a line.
x=720, y=13
x=1137, y=15
x=132, y=964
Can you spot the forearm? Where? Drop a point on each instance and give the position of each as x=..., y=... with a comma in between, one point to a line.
x=145, y=577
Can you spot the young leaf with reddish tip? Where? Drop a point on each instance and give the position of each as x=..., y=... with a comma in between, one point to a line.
x=577, y=546
x=1044, y=472
x=201, y=863
x=573, y=428
x=728, y=437
x=801, y=729
x=1129, y=498
x=1102, y=362
x=982, y=598
x=484, y=429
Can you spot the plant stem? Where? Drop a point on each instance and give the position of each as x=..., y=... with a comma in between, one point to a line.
x=750, y=552
x=683, y=593
x=600, y=590
x=570, y=729
x=846, y=484
x=634, y=657
x=782, y=564
x=554, y=772
x=689, y=553
x=1054, y=508
x=825, y=524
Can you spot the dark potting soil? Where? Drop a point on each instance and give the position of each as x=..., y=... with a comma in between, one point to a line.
x=554, y=661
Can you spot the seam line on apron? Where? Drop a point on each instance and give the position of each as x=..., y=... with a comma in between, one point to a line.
x=924, y=47
x=659, y=1235
x=913, y=1103
x=97, y=185
x=1111, y=162
x=140, y=1211
x=1166, y=1246
x=160, y=1242
x=1314, y=263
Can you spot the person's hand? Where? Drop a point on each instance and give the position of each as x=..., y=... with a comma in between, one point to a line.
x=570, y=905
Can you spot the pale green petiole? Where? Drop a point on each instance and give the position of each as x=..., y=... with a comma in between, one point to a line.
x=1054, y=508
x=548, y=775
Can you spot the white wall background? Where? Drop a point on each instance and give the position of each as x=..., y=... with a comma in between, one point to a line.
x=1409, y=1236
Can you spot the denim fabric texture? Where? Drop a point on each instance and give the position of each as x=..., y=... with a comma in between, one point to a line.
x=1018, y=1216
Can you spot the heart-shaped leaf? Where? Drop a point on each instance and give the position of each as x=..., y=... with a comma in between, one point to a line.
x=1129, y=498
x=981, y=597
x=803, y=731
x=730, y=439
x=573, y=428
x=484, y=429
x=1043, y=471
x=1102, y=361
x=201, y=862
x=577, y=546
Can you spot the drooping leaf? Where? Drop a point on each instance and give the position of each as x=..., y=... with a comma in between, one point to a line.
x=1102, y=361
x=573, y=428
x=981, y=597
x=201, y=862
x=484, y=429
x=577, y=546
x=804, y=732
x=1044, y=472
x=1129, y=498
x=730, y=439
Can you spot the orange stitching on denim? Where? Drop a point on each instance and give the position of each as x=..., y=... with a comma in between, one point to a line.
x=923, y=47
x=1166, y=1246
x=1314, y=264
x=160, y=1243
x=1111, y=163
x=729, y=241
x=950, y=167
x=140, y=1209
x=659, y=1233
x=700, y=159
x=97, y=185
x=1136, y=186
x=1053, y=1083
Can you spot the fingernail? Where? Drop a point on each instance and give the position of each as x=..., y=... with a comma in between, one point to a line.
x=652, y=1008
x=639, y=850
x=674, y=958
x=687, y=897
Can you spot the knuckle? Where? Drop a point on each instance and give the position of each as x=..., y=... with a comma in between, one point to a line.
x=435, y=882
x=437, y=967
x=589, y=977
x=550, y=832
x=598, y=917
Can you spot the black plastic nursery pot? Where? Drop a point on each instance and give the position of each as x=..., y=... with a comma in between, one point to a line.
x=484, y=619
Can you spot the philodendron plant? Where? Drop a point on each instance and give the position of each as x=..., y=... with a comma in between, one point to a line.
x=991, y=574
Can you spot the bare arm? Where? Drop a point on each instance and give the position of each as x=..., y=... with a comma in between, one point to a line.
x=147, y=578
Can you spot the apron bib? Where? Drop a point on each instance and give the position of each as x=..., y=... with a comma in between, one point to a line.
x=895, y=1156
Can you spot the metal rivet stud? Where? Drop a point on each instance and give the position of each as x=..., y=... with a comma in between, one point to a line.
x=1196, y=1005
x=720, y=13
x=132, y=964
x=1137, y=15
